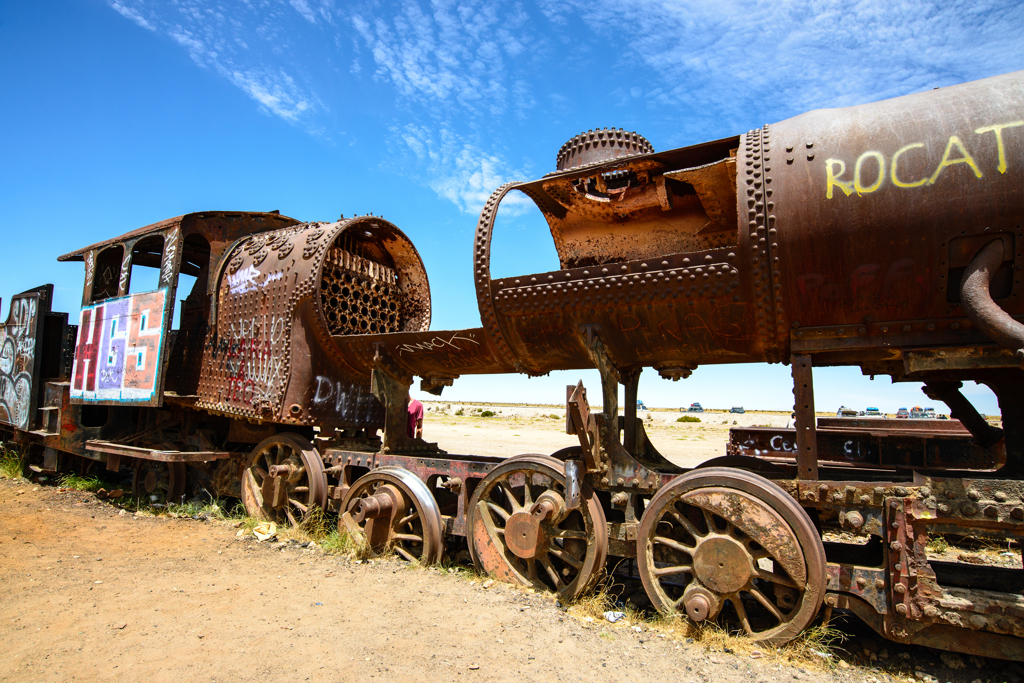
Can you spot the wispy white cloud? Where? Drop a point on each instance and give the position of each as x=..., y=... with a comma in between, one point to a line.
x=243, y=45
x=478, y=74
x=453, y=56
x=130, y=13
x=322, y=11
x=721, y=59
x=455, y=169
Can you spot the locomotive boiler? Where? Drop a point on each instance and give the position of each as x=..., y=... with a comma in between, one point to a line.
x=885, y=236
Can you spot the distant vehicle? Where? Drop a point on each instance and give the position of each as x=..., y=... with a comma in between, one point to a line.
x=871, y=411
x=902, y=413
x=846, y=412
x=695, y=408
x=941, y=416
x=640, y=405
x=737, y=409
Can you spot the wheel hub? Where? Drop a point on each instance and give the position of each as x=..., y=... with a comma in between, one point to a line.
x=524, y=535
x=722, y=564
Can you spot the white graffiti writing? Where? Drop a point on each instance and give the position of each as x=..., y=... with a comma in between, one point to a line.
x=170, y=249
x=247, y=280
x=435, y=344
x=90, y=266
x=244, y=280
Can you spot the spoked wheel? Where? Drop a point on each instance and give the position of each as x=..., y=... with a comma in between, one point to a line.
x=721, y=542
x=159, y=482
x=520, y=531
x=284, y=480
x=391, y=509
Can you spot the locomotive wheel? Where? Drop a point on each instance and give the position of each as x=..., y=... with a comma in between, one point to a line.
x=519, y=530
x=159, y=482
x=284, y=480
x=715, y=536
x=391, y=509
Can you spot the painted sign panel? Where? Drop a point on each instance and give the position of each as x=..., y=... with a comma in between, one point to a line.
x=19, y=340
x=119, y=349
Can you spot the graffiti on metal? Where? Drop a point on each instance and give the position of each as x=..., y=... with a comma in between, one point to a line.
x=119, y=348
x=869, y=177
x=17, y=357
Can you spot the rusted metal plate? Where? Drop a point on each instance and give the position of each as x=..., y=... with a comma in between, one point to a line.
x=875, y=448
x=21, y=341
x=885, y=425
x=118, y=449
x=862, y=197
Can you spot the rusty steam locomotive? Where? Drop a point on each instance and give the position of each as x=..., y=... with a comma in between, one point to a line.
x=885, y=236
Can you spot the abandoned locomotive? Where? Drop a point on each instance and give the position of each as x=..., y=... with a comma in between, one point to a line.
x=885, y=236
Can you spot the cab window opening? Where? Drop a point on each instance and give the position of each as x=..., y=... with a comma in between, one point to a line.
x=147, y=255
x=107, y=274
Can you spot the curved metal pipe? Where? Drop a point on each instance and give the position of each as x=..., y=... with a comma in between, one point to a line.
x=992, y=320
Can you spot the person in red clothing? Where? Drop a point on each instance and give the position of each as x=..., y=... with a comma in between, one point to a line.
x=415, y=419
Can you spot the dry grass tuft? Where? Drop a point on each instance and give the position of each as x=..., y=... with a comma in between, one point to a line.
x=12, y=462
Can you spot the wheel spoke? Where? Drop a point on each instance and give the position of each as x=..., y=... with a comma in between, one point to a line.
x=671, y=571
x=501, y=512
x=405, y=553
x=772, y=577
x=552, y=573
x=291, y=517
x=302, y=508
x=409, y=518
x=300, y=489
x=412, y=538
x=709, y=519
x=483, y=509
x=675, y=545
x=737, y=603
x=768, y=604
x=566, y=557
x=506, y=490
x=570, y=533
x=531, y=570
x=260, y=471
x=685, y=523
x=527, y=493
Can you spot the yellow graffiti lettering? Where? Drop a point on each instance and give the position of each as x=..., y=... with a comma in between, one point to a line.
x=845, y=185
x=998, y=130
x=857, y=185
x=965, y=158
x=895, y=179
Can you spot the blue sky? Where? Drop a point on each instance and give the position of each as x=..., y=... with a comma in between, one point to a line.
x=120, y=113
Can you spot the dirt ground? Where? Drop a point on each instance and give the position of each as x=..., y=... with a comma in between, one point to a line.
x=517, y=429
x=95, y=593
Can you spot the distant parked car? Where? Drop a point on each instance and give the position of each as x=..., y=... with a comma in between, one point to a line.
x=737, y=409
x=640, y=405
x=846, y=412
x=903, y=413
x=695, y=408
x=872, y=412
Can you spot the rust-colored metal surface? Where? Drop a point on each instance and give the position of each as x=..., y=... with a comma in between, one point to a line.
x=878, y=447
x=279, y=298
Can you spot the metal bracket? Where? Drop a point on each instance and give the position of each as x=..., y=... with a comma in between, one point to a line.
x=577, y=421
